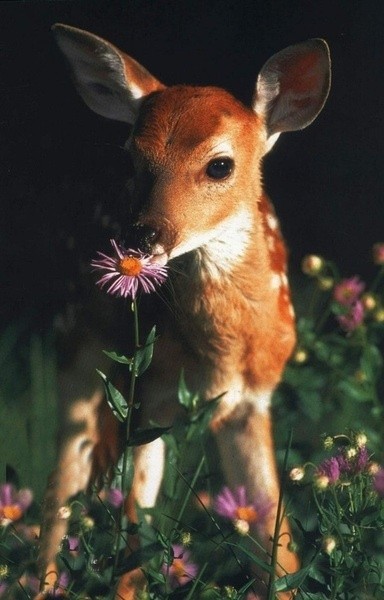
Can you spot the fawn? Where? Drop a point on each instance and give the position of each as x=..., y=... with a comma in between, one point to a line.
x=198, y=202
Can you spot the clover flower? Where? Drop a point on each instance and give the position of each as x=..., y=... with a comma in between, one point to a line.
x=128, y=272
x=348, y=461
x=13, y=503
x=179, y=569
x=329, y=468
x=234, y=505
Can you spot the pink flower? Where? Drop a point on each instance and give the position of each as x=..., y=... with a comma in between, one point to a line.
x=348, y=291
x=234, y=505
x=128, y=271
x=350, y=461
x=115, y=497
x=329, y=468
x=13, y=503
x=179, y=569
x=353, y=318
x=378, y=482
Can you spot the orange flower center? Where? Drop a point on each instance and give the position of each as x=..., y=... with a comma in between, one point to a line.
x=129, y=265
x=12, y=512
x=246, y=513
x=178, y=567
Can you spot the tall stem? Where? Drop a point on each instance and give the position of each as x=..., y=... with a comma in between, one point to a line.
x=126, y=451
x=276, y=535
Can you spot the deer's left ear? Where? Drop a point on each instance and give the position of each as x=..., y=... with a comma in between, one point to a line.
x=111, y=83
x=293, y=86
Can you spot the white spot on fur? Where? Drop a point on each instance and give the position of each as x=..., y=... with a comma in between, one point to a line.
x=220, y=247
x=227, y=245
x=272, y=222
x=279, y=280
x=261, y=400
x=149, y=466
x=275, y=281
x=236, y=396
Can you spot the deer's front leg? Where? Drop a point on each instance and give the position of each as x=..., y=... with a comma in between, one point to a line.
x=243, y=430
x=71, y=476
x=80, y=401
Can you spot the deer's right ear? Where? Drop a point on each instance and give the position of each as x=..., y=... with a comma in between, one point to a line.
x=111, y=83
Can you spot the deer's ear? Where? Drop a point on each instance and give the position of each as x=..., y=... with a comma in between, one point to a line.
x=293, y=86
x=111, y=83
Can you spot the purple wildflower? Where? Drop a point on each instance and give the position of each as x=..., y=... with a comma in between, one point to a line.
x=346, y=462
x=353, y=318
x=361, y=460
x=115, y=497
x=13, y=503
x=128, y=272
x=348, y=291
x=329, y=468
x=234, y=505
x=180, y=568
x=378, y=482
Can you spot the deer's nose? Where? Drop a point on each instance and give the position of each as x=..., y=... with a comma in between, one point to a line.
x=144, y=237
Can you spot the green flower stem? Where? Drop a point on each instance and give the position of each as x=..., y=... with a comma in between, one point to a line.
x=126, y=453
x=276, y=534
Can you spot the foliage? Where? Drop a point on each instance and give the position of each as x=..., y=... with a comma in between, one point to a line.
x=193, y=549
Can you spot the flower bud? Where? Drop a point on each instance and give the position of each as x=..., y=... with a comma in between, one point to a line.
x=4, y=572
x=321, y=482
x=328, y=545
x=312, y=264
x=64, y=512
x=328, y=442
x=297, y=473
x=373, y=468
x=87, y=523
x=369, y=301
x=351, y=452
x=186, y=538
x=378, y=253
x=300, y=356
x=325, y=283
x=241, y=526
x=379, y=315
x=361, y=439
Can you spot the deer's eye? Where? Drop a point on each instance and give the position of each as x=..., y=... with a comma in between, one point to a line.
x=220, y=168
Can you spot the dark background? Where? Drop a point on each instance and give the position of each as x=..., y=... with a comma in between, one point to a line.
x=62, y=169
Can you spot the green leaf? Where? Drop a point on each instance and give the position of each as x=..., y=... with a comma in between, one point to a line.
x=143, y=356
x=146, y=436
x=115, y=399
x=292, y=581
x=125, y=360
x=138, y=558
x=186, y=398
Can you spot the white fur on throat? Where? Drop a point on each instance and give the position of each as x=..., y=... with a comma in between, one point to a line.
x=227, y=244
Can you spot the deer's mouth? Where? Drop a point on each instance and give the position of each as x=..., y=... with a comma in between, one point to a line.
x=160, y=258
